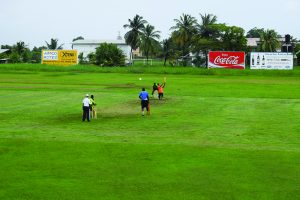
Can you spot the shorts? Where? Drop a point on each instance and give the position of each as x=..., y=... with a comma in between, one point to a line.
x=144, y=104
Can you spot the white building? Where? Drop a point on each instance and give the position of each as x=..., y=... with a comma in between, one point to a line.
x=89, y=46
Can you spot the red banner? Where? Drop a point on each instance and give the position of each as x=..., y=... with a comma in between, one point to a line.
x=226, y=59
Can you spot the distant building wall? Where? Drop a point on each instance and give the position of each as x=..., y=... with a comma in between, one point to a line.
x=89, y=46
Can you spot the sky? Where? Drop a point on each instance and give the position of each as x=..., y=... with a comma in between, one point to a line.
x=37, y=21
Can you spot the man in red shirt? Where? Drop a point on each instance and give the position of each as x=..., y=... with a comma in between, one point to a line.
x=160, y=89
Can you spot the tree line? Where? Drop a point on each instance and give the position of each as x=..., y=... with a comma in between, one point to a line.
x=190, y=41
x=192, y=37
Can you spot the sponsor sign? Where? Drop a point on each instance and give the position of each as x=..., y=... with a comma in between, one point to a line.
x=226, y=59
x=281, y=61
x=59, y=57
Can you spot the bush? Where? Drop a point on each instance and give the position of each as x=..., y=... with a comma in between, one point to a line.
x=109, y=55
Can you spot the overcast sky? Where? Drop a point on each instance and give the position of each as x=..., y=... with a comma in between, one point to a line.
x=36, y=21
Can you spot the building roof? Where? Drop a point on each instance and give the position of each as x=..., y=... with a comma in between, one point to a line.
x=3, y=50
x=99, y=42
x=252, y=42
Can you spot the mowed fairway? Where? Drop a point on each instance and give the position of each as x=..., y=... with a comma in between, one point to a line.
x=212, y=137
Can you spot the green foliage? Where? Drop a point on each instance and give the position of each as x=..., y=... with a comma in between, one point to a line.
x=91, y=58
x=15, y=57
x=37, y=54
x=269, y=41
x=183, y=31
x=297, y=53
x=255, y=33
x=157, y=68
x=78, y=38
x=148, y=39
x=109, y=55
x=53, y=45
x=132, y=37
x=81, y=58
x=233, y=39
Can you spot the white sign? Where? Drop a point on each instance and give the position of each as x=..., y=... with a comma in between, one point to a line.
x=282, y=61
x=50, y=55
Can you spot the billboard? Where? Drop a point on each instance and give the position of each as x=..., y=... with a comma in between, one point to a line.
x=59, y=57
x=226, y=59
x=282, y=61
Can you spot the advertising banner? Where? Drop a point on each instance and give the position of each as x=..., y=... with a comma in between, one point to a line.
x=226, y=59
x=281, y=61
x=59, y=57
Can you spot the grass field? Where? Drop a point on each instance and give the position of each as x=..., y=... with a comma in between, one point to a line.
x=217, y=136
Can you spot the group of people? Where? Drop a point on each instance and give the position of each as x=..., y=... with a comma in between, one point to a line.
x=144, y=96
x=89, y=104
x=159, y=88
x=89, y=108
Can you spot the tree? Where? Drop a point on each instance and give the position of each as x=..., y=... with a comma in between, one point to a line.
x=20, y=47
x=148, y=39
x=297, y=52
x=207, y=38
x=81, y=58
x=184, y=30
x=132, y=37
x=77, y=38
x=109, y=55
x=233, y=39
x=36, y=54
x=166, y=49
x=269, y=41
x=6, y=47
x=20, y=53
x=255, y=33
x=207, y=27
x=53, y=45
x=91, y=58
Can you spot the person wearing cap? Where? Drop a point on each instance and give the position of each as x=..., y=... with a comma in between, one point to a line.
x=86, y=108
x=144, y=97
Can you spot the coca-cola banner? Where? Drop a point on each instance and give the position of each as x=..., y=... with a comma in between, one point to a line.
x=274, y=60
x=226, y=59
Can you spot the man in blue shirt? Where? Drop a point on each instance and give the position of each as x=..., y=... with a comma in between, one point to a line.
x=144, y=101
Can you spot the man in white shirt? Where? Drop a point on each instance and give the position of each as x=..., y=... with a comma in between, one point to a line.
x=86, y=108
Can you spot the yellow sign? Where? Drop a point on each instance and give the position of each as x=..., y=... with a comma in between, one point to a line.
x=59, y=57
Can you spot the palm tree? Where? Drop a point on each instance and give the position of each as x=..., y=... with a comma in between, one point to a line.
x=206, y=28
x=269, y=41
x=77, y=38
x=148, y=38
x=132, y=36
x=166, y=47
x=53, y=44
x=208, y=33
x=184, y=30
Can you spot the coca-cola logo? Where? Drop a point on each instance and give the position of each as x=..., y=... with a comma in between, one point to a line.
x=231, y=60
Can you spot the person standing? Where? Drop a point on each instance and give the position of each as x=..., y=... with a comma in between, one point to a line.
x=160, y=89
x=86, y=108
x=154, y=88
x=144, y=97
x=93, y=107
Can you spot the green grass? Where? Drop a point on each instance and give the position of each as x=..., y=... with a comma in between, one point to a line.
x=226, y=135
x=142, y=69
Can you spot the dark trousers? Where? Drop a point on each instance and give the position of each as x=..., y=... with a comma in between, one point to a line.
x=86, y=113
x=160, y=95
